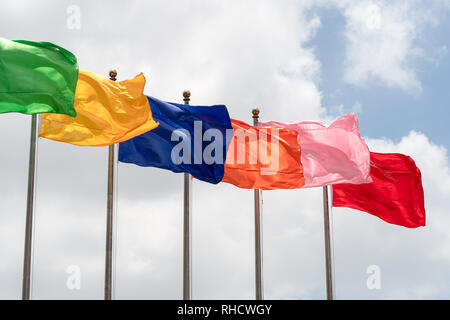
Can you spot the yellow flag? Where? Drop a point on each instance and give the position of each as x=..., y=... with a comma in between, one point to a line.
x=108, y=112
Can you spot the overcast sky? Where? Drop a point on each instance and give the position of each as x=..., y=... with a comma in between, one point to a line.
x=387, y=61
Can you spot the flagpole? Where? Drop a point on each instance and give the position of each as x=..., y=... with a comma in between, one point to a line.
x=187, y=281
x=258, y=231
x=110, y=214
x=327, y=233
x=28, y=254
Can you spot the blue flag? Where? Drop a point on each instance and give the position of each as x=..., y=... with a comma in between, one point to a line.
x=190, y=139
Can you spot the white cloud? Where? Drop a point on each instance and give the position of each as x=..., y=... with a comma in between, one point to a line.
x=340, y=109
x=244, y=54
x=382, y=40
x=412, y=261
x=380, y=43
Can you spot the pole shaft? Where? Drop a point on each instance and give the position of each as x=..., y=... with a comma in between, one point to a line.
x=187, y=237
x=109, y=224
x=258, y=247
x=187, y=206
x=327, y=233
x=27, y=261
x=258, y=232
x=110, y=215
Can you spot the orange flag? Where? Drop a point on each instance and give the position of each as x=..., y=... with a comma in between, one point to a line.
x=263, y=158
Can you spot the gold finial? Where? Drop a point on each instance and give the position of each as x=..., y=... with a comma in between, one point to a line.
x=255, y=113
x=112, y=75
x=187, y=96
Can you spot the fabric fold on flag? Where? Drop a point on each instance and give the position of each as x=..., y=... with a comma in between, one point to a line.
x=395, y=195
x=330, y=155
x=190, y=139
x=263, y=158
x=108, y=112
x=37, y=77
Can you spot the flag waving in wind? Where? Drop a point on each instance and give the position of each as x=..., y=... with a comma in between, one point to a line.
x=263, y=158
x=334, y=154
x=395, y=195
x=37, y=77
x=189, y=139
x=108, y=112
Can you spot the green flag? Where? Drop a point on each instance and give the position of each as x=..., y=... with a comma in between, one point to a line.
x=37, y=77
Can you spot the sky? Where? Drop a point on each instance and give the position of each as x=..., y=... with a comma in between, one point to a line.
x=386, y=61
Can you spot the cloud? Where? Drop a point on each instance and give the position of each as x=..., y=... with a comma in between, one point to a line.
x=243, y=54
x=382, y=41
x=339, y=110
x=412, y=261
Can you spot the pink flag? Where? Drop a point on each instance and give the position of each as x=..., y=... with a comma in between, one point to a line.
x=334, y=154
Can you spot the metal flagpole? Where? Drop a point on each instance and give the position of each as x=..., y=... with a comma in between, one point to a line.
x=258, y=230
x=110, y=213
x=187, y=289
x=328, y=256
x=27, y=261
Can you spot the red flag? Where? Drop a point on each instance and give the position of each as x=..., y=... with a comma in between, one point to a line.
x=395, y=195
